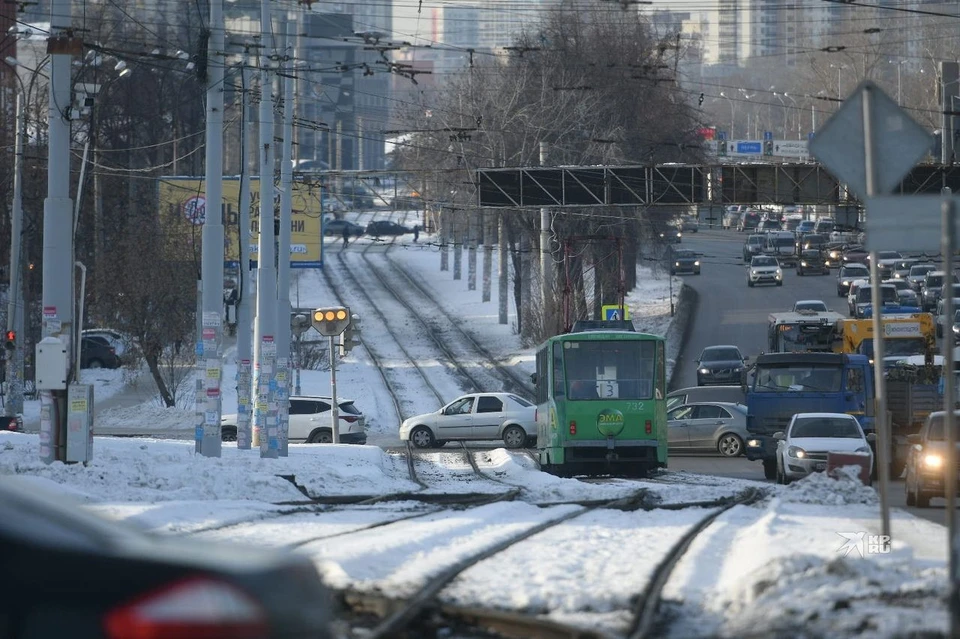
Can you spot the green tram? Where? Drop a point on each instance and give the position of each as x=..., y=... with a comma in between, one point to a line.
x=601, y=401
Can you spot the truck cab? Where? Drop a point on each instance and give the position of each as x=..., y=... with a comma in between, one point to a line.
x=784, y=384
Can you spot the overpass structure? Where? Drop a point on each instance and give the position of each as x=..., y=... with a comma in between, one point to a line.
x=685, y=185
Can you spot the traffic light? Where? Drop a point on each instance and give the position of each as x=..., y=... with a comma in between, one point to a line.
x=331, y=321
x=10, y=340
x=299, y=323
x=351, y=336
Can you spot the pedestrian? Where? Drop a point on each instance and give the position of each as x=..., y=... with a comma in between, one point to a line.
x=346, y=235
x=416, y=232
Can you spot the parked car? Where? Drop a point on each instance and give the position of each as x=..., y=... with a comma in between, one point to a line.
x=334, y=228
x=727, y=394
x=764, y=269
x=702, y=427
x=684, y=261
x=753, y=246
x=803, y=447
x=925, y=461
x=847, y=274
x=386, y=227
x=814, y=306
x=12, y=423
x=310, y=421
x=720, y=365
x=813, y=261
x=96, y=352
x=83, y=576
x=122, y=344
x=474, y=417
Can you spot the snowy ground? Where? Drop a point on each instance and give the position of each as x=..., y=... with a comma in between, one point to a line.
x=769, y=569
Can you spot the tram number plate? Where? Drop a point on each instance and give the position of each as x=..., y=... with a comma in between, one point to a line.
x=821, y=466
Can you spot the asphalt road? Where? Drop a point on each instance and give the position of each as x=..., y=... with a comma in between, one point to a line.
x=730, y=312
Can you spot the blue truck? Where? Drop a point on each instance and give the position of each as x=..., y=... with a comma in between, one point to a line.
x=784, y=384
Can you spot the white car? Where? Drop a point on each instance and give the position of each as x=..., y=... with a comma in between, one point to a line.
x=764, y=270
x=477, y=416
x=810, y=437
x=311, y=421
x=815, y=306
x=852, y=295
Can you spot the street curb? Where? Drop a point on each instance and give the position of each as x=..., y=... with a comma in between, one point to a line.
x=680, y=327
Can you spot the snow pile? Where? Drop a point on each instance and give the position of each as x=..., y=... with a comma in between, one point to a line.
x=811, y=596
x=684, y=487
x=818, y=488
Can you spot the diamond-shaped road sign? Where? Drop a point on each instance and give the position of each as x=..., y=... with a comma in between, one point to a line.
x=898, y=142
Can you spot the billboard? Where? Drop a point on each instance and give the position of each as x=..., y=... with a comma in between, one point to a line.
x=183, y=210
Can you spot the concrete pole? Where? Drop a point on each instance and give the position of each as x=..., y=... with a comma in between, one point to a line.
x=503, y=280
x=456, y=238
x=284, y=249
x=57, y=301
x=14, y=400
x=546, y=260
x=444, y=244
x=209, y=365
x=471, y=253
x=265, y=431
x=248, y=147
x=487, y=256
x=950, y=422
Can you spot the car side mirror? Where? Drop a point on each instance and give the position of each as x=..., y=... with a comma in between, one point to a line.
x=871, y=437
x=533, y=378
x=779, y=435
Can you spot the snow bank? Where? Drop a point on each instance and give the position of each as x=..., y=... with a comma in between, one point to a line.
x=818, y=488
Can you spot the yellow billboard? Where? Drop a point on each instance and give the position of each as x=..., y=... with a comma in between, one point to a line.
x=183, y=209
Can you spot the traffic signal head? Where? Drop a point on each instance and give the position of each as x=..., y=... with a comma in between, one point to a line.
x=351, y=336
x=10, y=340
x=331, y=321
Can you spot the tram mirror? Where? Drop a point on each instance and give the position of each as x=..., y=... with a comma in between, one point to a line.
x=533, y=378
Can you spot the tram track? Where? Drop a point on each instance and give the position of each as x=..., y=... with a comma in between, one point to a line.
x=425, y=608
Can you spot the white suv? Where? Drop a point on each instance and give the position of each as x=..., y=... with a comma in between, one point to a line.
x=764, y=269
x=310, y=422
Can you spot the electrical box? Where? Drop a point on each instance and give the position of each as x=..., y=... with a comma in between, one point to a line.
x=51, y=364
x=79, y=423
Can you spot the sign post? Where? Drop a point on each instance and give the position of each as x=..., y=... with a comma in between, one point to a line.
x=870, y=144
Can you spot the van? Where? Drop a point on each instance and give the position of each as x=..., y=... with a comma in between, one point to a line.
x=732, y=394
x=783, y=246
x=824, y=227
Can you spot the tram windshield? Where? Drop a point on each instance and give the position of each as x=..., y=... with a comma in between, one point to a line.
x=610, y=369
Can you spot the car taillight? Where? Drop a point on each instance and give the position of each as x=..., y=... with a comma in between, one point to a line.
x=199, y=607
x=573, y=428
x=648, y=427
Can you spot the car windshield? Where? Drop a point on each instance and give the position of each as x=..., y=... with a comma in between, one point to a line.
x=903, y=265
x=819, y=307
x=834, y=427
x=887, y=293
x=916, y=271
x=888, y=255
x=936, y=430
x=813, y=255
x=855, y=272
x=934, y=280
x=774, y=378
x=898, y=347
x=784, y=241
x=755, y=239
x=764, y=261
x=720, y=355
x=791, y=225
x=684, y=255
x=610, y=370
x=900, y=285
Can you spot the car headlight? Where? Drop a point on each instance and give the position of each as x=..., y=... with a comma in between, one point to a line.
x=677, y=264
x=797, y=452
x=753, y=443
x=779, y=273
x=803, y=263
x=845, y=283
x=704, y=371
x=697, y=263
x=932, y=460
x=863, y=449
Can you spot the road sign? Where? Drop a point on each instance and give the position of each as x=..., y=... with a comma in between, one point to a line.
x=722, y=135
x=751, y=147
x=904, y=223
x=898, y=142
x=768, y=135
x=611, y=313
x=791, y=148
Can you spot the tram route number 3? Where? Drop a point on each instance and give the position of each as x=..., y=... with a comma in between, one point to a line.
x=608, y=388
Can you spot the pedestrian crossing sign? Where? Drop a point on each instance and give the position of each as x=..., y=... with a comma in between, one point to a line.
x=612, y=313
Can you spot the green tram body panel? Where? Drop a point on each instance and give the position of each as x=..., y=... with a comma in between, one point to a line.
x=601, y=403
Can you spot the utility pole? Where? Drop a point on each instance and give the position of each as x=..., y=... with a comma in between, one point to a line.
x=209, y=366
x=546, y=259
x=14, y=379
x=247, y=285
x=265, y=327
x=503, y=283
x=57, y=299
x=283, y=263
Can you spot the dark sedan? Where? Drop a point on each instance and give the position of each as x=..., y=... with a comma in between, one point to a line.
x=386, y=227
x=81, y=576
x=683, y=261
x=96, y=352
x=855, y=255
x=813, y=261
x=814, y=241
x=721, y=365
x=334, y=228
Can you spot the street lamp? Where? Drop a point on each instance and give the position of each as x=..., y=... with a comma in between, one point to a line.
x=732, y=114
x=899, y=64
x=783, y=104
x=747, y=96
x=839, y=68
x=796, y=112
